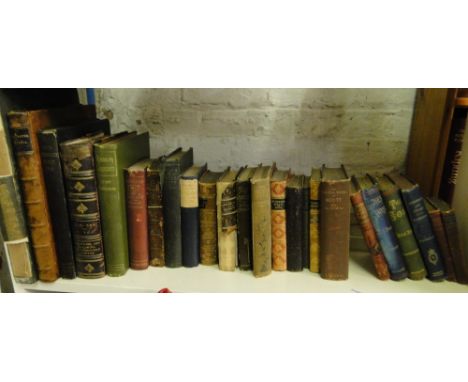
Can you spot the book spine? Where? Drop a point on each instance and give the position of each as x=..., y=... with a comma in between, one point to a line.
x=261, y=227
x=83, y=203
x=172, y=219
x=404, y=233
x=244, y=225
x=370, y=236
x=190, y=221
x=334, y=230
x=460, y=260
x=208, y=224
x=383, y=227
x=305, y=227
x=113, y=215
x=294, y=231
x=56, y=196
x=314, y=225
x=24, y=141
x=155, y=218
x=278, y=225
x=439, y=232
x=137, y=219
x=227, y=226
x=422, y=228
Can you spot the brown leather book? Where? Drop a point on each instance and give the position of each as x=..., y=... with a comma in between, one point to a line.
x=208, y=223
x=368, y=231
x=334, y=223
x=261, y=221
x=227, y=220
x=445, y=228
x=314, y=219
x=278, y=219
x=24, y=128
x=137, y=214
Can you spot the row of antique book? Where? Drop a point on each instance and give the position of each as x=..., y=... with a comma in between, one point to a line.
x=96, y=204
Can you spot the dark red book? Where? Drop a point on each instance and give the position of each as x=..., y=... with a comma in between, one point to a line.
x=137, y=214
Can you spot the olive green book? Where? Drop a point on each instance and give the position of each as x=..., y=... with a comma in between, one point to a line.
x=112, y=156
x=402, y=227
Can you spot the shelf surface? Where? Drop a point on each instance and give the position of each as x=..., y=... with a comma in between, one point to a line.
x=211, y=279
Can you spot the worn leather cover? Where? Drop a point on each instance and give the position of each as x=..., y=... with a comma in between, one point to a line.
x=295, y=223
x=439, y=231
x=261, y=221
x=334, y=228
x=112, y=157
x=227, y=221
x=190, y=217
x=383, y=227
x=154, y=182
x=403, y=231
x=423, y=232
x=83, y=205
x=305, y=224
x=137, y=214
x=208, y=218
x=370, y=236
x=174, y=166
x=278, y=222
x=314, y=222
x=24, y=128
x=49, y=141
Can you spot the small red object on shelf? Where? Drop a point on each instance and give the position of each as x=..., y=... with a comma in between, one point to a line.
x=165, y=290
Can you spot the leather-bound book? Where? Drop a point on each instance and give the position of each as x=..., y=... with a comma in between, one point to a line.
x=422, y=227
x=334, y=223
x=83, y=205
x=383, y=227
x=12, y=223
x=458, y=259
x=314, y=219
x=208, y=218
x=137, y=214
x=175, y=164
x=24, y=127
x=305, y=224
x=227, y=220
x=112, y=157
x=261, y=220
x=190, y=217
x=368, y=231
x=402, y=227
x=154, y=183
x=278, y=219
x=433, y=206
x=295, y=222
x=244, y=218
x=49, y=141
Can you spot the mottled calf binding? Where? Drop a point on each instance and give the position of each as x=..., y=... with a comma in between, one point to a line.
x=137, y=214
x=278, y=220
x=208, y=219
x=314, y=222
x=383, y=227
x=49, y=141
x=261, y=221
x=334, y=223
x=368, y=232
x=190, y=217
x=24, y=127
x=422, y=228
x=174, y=165
x=83, y=205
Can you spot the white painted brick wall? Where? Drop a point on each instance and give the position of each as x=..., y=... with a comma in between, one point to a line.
x=367, y=129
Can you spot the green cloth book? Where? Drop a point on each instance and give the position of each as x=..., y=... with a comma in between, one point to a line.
x=112, y=156
x=402, y=227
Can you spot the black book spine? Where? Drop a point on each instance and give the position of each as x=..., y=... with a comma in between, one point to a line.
x=294, y=229
x=305, y=228
x=190, y=222
x=244, y=225
x=56, y=196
